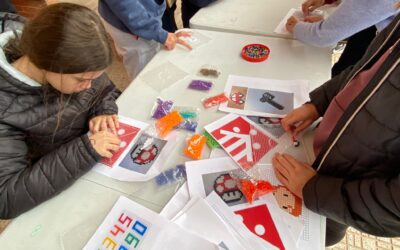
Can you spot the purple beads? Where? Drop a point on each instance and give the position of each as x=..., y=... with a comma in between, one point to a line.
x=200, y=85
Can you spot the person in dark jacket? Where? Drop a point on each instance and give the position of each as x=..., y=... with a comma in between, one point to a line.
x=136, y=28
x=190, y=7
x=7, y=6
x=53, y=90
x=355, y=178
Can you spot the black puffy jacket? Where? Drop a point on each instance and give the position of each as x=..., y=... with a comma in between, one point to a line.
x=358, y=181
x=43, y=150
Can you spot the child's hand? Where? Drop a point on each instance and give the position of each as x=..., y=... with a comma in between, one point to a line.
x=174, y=38
x=313, y=19
x=103, y=123
x=105, y=143
x=300, y=118
x=291, y=23
x=310, y=5
x=292, y=173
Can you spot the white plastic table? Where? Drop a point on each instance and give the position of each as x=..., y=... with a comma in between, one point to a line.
x=254, y=17
x=68, y=220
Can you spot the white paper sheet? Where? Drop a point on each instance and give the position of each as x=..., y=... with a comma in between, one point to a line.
x=246, y=142
x=201, y=219
x=177, y=202
x=142, y=157
x=313, y=234
x=263, y=97
x=235, y=224
x=218, y=153
x=205, y=177
x=135, y=227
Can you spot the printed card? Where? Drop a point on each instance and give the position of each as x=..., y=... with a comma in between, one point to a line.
x=131, y=226
x=243, y=140
x=262, y=218
x=263, y=97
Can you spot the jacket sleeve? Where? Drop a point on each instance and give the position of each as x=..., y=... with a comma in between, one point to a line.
x=105, y=95
x=138, y=20
x=322, y=96
x=23, y=186
x=370, y=205
x=350, y=17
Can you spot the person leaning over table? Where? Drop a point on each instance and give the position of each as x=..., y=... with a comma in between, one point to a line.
x=136, y=28
x=356, y=20
x=355, y=178
x=53, y=90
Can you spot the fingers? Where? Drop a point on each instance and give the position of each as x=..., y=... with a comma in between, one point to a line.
x=96, y=125
x=288, y=123
x=116, y=120
x=111, y=125
x=278, y=165
x=312, y=19
x=184, y=43
x=103, y=125
x=106, y=154
x=183, y=34
x=285, y=163
x=91, y=125
x=305, y=7
x=301, y=127
x=281, y=178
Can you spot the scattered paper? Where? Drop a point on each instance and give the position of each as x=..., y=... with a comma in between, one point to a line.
x=131, y=226
x=263, y=97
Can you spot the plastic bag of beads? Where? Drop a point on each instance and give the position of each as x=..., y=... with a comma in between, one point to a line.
x=211, y=142
x=209, y=71
x=195, y=147
x=171, y=176
x=161, y=108
x=168, y=122
x=214, y=100
x=190, y=116
x=200, y=85
x=250, y=187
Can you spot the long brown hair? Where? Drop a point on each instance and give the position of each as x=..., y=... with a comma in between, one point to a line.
x=64, y=38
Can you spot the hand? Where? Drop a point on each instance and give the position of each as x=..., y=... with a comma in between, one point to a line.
x=291, y=23
x=313, y=19
x=292, y=173
x=300, y=119
x=310, y=5
x=103, y=123
x=174, y=38
x=105, y=143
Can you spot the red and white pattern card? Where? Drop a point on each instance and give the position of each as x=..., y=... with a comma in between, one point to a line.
x=242, y=139
x=259, y=221
x=128, y=130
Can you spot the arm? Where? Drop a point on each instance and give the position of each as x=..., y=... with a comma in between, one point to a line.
x=137, y=19
x=105, y=93
x=23, y=186
x=350, y=17
x=370, y=205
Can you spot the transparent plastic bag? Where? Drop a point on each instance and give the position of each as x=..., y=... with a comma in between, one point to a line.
x=209, y=71
x=161, y=108
x=190, y=116
x=195, y=146
x=214, y=100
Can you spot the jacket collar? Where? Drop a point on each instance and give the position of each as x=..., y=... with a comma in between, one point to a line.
x=7, y=67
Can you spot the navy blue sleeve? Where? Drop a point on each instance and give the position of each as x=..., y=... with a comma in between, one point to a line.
x=137, y=19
